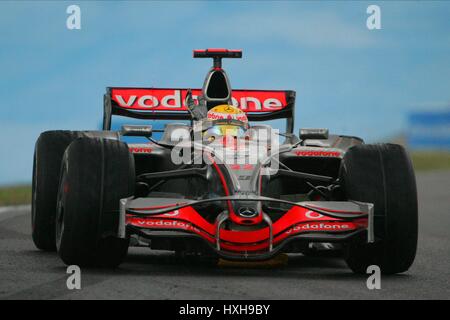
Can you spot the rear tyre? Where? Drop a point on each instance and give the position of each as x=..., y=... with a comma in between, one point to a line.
x=48, y=154
x=382, y=174
x=95, y=175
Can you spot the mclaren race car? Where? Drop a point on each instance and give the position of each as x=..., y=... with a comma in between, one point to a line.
x=220, y=182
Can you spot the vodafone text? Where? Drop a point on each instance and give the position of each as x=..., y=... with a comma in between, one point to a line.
x=174, y=99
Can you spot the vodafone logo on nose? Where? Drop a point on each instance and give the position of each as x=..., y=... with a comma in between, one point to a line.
x=313, y=215
x=173, y=99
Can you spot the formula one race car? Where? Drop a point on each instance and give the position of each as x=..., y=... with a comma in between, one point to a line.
x=220, y=183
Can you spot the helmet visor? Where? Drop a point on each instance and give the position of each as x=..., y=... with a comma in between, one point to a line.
x=225, y=130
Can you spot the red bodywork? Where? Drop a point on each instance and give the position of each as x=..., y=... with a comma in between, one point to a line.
x=296, y=221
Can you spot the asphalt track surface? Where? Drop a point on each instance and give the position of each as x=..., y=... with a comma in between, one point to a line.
x=26, y=273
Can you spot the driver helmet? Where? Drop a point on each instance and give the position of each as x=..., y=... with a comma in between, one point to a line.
x=226, y=121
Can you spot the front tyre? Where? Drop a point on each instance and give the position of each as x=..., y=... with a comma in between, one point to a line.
x=382, y=174
x=48, y=153
x=95, y=174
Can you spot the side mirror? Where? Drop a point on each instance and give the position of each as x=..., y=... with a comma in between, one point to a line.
x=319, y=134
x=136, y=131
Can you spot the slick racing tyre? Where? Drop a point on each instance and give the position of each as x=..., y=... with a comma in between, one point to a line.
x=95, y=174
x=48, y=153
x=382, y=174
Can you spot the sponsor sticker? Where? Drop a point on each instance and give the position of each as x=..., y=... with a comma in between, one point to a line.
x=174, y=99
x=134, y=149
x=318, y=153
x=319, y=226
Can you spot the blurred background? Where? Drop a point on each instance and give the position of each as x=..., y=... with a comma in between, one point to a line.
x=391, y=84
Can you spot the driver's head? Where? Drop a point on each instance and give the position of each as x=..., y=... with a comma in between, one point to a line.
x=227, y=121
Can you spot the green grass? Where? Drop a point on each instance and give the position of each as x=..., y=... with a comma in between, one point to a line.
x=431, y=160
x=14, y=195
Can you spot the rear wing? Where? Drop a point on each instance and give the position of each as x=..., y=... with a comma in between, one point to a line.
x=169, y=104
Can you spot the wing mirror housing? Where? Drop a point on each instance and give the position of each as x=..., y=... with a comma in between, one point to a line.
x=318, y=134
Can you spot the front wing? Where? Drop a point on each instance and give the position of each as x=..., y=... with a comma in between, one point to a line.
x=319, y=221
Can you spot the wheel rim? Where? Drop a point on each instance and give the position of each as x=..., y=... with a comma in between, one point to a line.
x=59, y=227
x=59, y=223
